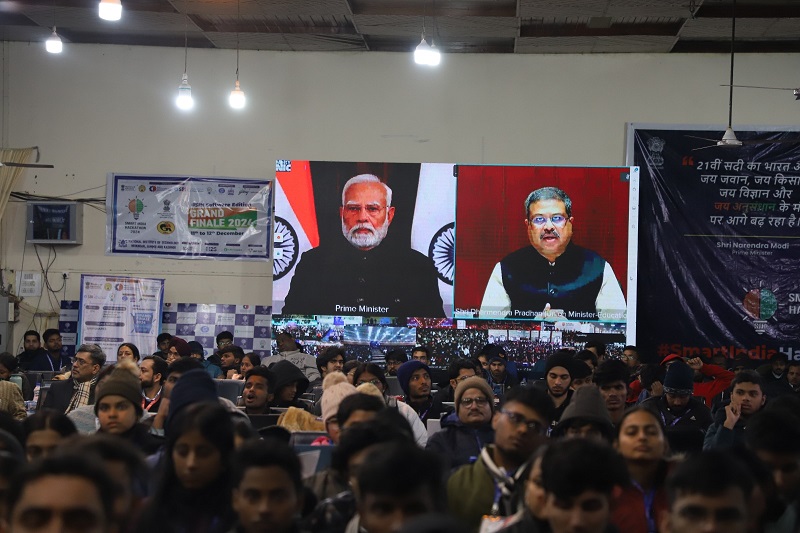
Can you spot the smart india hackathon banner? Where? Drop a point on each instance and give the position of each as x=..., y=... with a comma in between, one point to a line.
x=189, y=217
x=117, y=309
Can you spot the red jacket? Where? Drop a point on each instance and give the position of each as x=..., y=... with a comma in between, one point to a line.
x=628, y=512
x=709, y=389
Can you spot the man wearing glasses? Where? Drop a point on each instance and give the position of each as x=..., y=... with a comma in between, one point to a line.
x=492, y=487
x=65, y=396
x=360, y=274
x=553, y=279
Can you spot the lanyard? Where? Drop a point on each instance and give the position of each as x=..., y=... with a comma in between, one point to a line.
x=153, y=401
x=675, y=420
x=497, y=495
x=649, y=501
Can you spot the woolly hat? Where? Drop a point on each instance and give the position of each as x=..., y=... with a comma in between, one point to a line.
x=671, y=357
x=194, y=386
x=586, y=406
x=679, y=379
x=121, y=382
x=372, y=390
x=563, y=360
x=194, y=348
x=181, y=346
x=405, y=370
x=335, y=388
x=474, y=382
x=579, y=370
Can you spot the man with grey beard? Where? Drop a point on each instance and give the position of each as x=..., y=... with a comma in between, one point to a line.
x=360, y=274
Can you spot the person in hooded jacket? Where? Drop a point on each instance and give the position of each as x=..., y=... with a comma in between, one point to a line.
x=465, y=432
x=289, y=382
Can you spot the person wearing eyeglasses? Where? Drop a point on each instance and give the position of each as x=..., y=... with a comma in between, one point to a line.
x=460, y=369
x=553, y=278
x=65, y=396
x=465, y=432
x=492, y=487
x=361, y=274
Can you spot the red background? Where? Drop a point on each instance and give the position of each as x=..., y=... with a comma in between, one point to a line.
x=490, y=218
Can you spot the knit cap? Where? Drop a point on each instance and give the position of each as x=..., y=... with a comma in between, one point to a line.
x=195, y=348
x=335, y=388
x=372, y=390
x=587, y=405
x=579, y=370
x=121, y=382
x=194, y=386
x=405, y=370
x=679, y=379
x=474, y=382
x=563, y=360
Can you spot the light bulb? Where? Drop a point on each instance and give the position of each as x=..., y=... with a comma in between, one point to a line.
x=237, y=99
x=435, y=57
x=425, y=54
x=110, y=9
x=53, y=44
x=184, y=100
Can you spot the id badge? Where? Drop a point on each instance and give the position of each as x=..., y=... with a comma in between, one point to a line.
x=491, y=524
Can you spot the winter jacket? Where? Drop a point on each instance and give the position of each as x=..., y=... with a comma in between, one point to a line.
x=457, y=443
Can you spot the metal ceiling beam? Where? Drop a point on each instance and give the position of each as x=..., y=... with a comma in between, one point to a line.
x=531, y=29
x=486, y=8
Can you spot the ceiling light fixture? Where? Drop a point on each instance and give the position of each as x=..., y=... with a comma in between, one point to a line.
x=110, y=9
x=184, y=101
x=53, y=44
x=424, y=53
x=237, y=99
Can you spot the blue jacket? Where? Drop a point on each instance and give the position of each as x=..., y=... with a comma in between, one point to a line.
x=458, y=444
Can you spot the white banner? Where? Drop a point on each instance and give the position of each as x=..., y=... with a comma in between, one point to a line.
x=114, y=310
x=189, y=217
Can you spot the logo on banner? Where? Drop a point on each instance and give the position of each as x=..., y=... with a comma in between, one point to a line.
x=760, y=305
x=165, y=227
x=167, y=203
x=142, y=188
x=285, y=245
x=136, y=207
x=442, y=252
x=655, y=145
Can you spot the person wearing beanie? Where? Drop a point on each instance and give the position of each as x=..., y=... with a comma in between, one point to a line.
x=558, y=377
x=709, y=380
x=177, y=348
x=586, y=416
x=415, y=379
x=118, y=409
x=465, y=432
x=612, y=378
x=686, y=418
x=289, y=384
x=417, y=427
x=192, y=386
x=581, y=375
x=197, y=351
x=498, y=377
x=335, y=388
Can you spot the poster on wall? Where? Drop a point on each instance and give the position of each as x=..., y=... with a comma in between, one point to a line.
x=117, y=309
x=363, y=239
x=548, y=245
x=189, y=217
x=720, y=242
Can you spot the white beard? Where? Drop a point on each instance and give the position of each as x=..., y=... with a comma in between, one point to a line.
x=366, y=240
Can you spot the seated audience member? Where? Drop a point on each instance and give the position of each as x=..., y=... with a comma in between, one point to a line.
x=177, y=348
x=64, y=493
x=195, y=473
x=223, y=339
x=713, y=379
x=394, y=359
x=788, y=384
x=11, y=401
x=766, y=510
x=32, y=349
x=499, y=378
x=492, y=350
x=587, y=417
x=707, y=491
x=256, y=394
x=125, y=466
x=334, y=487
x=162, y=345
x=775, y=369
x=43, y=431
x=643, y=445
x=588, y=357
x=8, y=367
x=267, y=491
x=369, y=378
x=290, y=383
x=611, y=377
x=482, y=365
x=249, y=362
x=747, y=398
x=651, y=379
x=359, y=407
x=118, y=409
x=349, y=369
x=422, y=354
x=52, y=359
x=231, y=358
x=152, y=373
x=174, y=372
x=558, y=378
x=581, y=375
x=288, y=351
x=84, y=417
x=685, y=417
x=465, y=432
x=774, y=434
x=331, y=360
x=396, y=483
x=197, y=351
x=598, y=348
x=65, y=396
x=520, y=427
x=335, y=388
x=415, y=379
x=579, y=477
x=459, y=370
x=530, y=518
x=128, y=350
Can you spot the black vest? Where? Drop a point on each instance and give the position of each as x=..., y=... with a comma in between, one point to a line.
x=572, y=283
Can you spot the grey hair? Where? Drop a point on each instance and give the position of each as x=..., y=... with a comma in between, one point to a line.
x=548, y=193
x=95, y=352
x=367, y=178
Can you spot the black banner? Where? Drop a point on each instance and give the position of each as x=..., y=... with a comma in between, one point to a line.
x=719, y=244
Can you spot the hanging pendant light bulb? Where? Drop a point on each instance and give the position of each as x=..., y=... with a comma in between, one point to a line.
x=110, y=9
x=237, y=99
x=53, y=44
x=426, y=54
x=434, y=58
x=184, y=100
